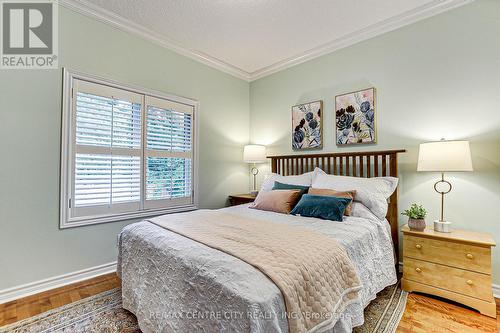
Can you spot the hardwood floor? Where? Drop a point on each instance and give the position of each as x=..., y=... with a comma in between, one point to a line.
x=422, y=315
x=32, y=305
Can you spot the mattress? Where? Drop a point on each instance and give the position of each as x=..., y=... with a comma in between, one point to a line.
x=174, y=284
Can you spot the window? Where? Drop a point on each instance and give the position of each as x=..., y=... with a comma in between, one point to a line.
x=126, y=153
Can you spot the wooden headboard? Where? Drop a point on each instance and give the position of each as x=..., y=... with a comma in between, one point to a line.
x=356, y=164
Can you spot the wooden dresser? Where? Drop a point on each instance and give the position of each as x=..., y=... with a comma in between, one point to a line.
x=454, y=265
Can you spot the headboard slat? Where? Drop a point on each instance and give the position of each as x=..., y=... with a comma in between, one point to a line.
x=369, y=166
x=333, y=163
x=354, y=166
x=384, y=166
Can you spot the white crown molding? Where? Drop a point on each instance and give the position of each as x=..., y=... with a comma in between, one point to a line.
x=436, y=7
x=36, y=287
x=393, y=23
x=100, y=14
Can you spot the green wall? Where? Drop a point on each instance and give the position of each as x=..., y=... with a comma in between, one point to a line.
x=436, y=78
x=31, y=245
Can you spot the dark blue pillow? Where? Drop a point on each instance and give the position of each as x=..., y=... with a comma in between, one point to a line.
x=282, y=186
x=321, y=206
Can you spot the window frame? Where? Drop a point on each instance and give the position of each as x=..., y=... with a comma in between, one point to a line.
x=68, y=154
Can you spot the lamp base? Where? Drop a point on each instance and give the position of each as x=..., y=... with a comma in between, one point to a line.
x=442, y=226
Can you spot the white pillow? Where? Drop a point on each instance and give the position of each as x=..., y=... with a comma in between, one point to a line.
x=304, y=179
x=371, y=192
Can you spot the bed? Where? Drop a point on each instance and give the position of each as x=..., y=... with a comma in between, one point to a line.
x=175, y=284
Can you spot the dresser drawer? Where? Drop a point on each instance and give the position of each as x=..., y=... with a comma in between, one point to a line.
x=453, y=279
x=471, y=257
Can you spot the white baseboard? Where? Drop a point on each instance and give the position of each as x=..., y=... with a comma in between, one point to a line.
x=496, y=290
x=28, y=289
x=495, y=287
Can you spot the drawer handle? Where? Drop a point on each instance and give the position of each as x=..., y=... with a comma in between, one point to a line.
x=469, y=256
x=418, y=246
x=418, y=270
x=469, y=282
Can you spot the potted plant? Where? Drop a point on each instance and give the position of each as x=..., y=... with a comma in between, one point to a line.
x=416, y=217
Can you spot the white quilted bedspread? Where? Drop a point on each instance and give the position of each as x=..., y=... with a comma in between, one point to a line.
x=174, y=284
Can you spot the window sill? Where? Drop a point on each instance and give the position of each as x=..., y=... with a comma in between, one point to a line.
x=79, y=222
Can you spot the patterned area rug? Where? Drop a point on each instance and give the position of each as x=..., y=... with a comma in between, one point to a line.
x=383, y=314
x=103, y=313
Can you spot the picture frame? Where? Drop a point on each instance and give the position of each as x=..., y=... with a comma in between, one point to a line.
x=307, y=126
x=355, y=117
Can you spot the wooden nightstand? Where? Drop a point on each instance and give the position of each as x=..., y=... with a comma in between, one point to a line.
x=454, y=265
x=239, y=199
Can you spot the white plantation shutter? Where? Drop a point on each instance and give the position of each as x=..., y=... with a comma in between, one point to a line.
x=127, y=154
x=92, y=180
x=168, y=153
x=107, y=166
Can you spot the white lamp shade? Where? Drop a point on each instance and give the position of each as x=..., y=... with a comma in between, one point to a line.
x=254, y=154
x=444, y=156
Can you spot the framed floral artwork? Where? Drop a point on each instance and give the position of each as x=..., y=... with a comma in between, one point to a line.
x=355, y=117
x=307, y=126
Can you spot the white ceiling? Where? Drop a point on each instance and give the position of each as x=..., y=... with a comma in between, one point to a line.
x=252, y=38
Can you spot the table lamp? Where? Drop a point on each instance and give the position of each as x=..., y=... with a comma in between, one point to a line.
x=254, y=154
x=444, y=156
